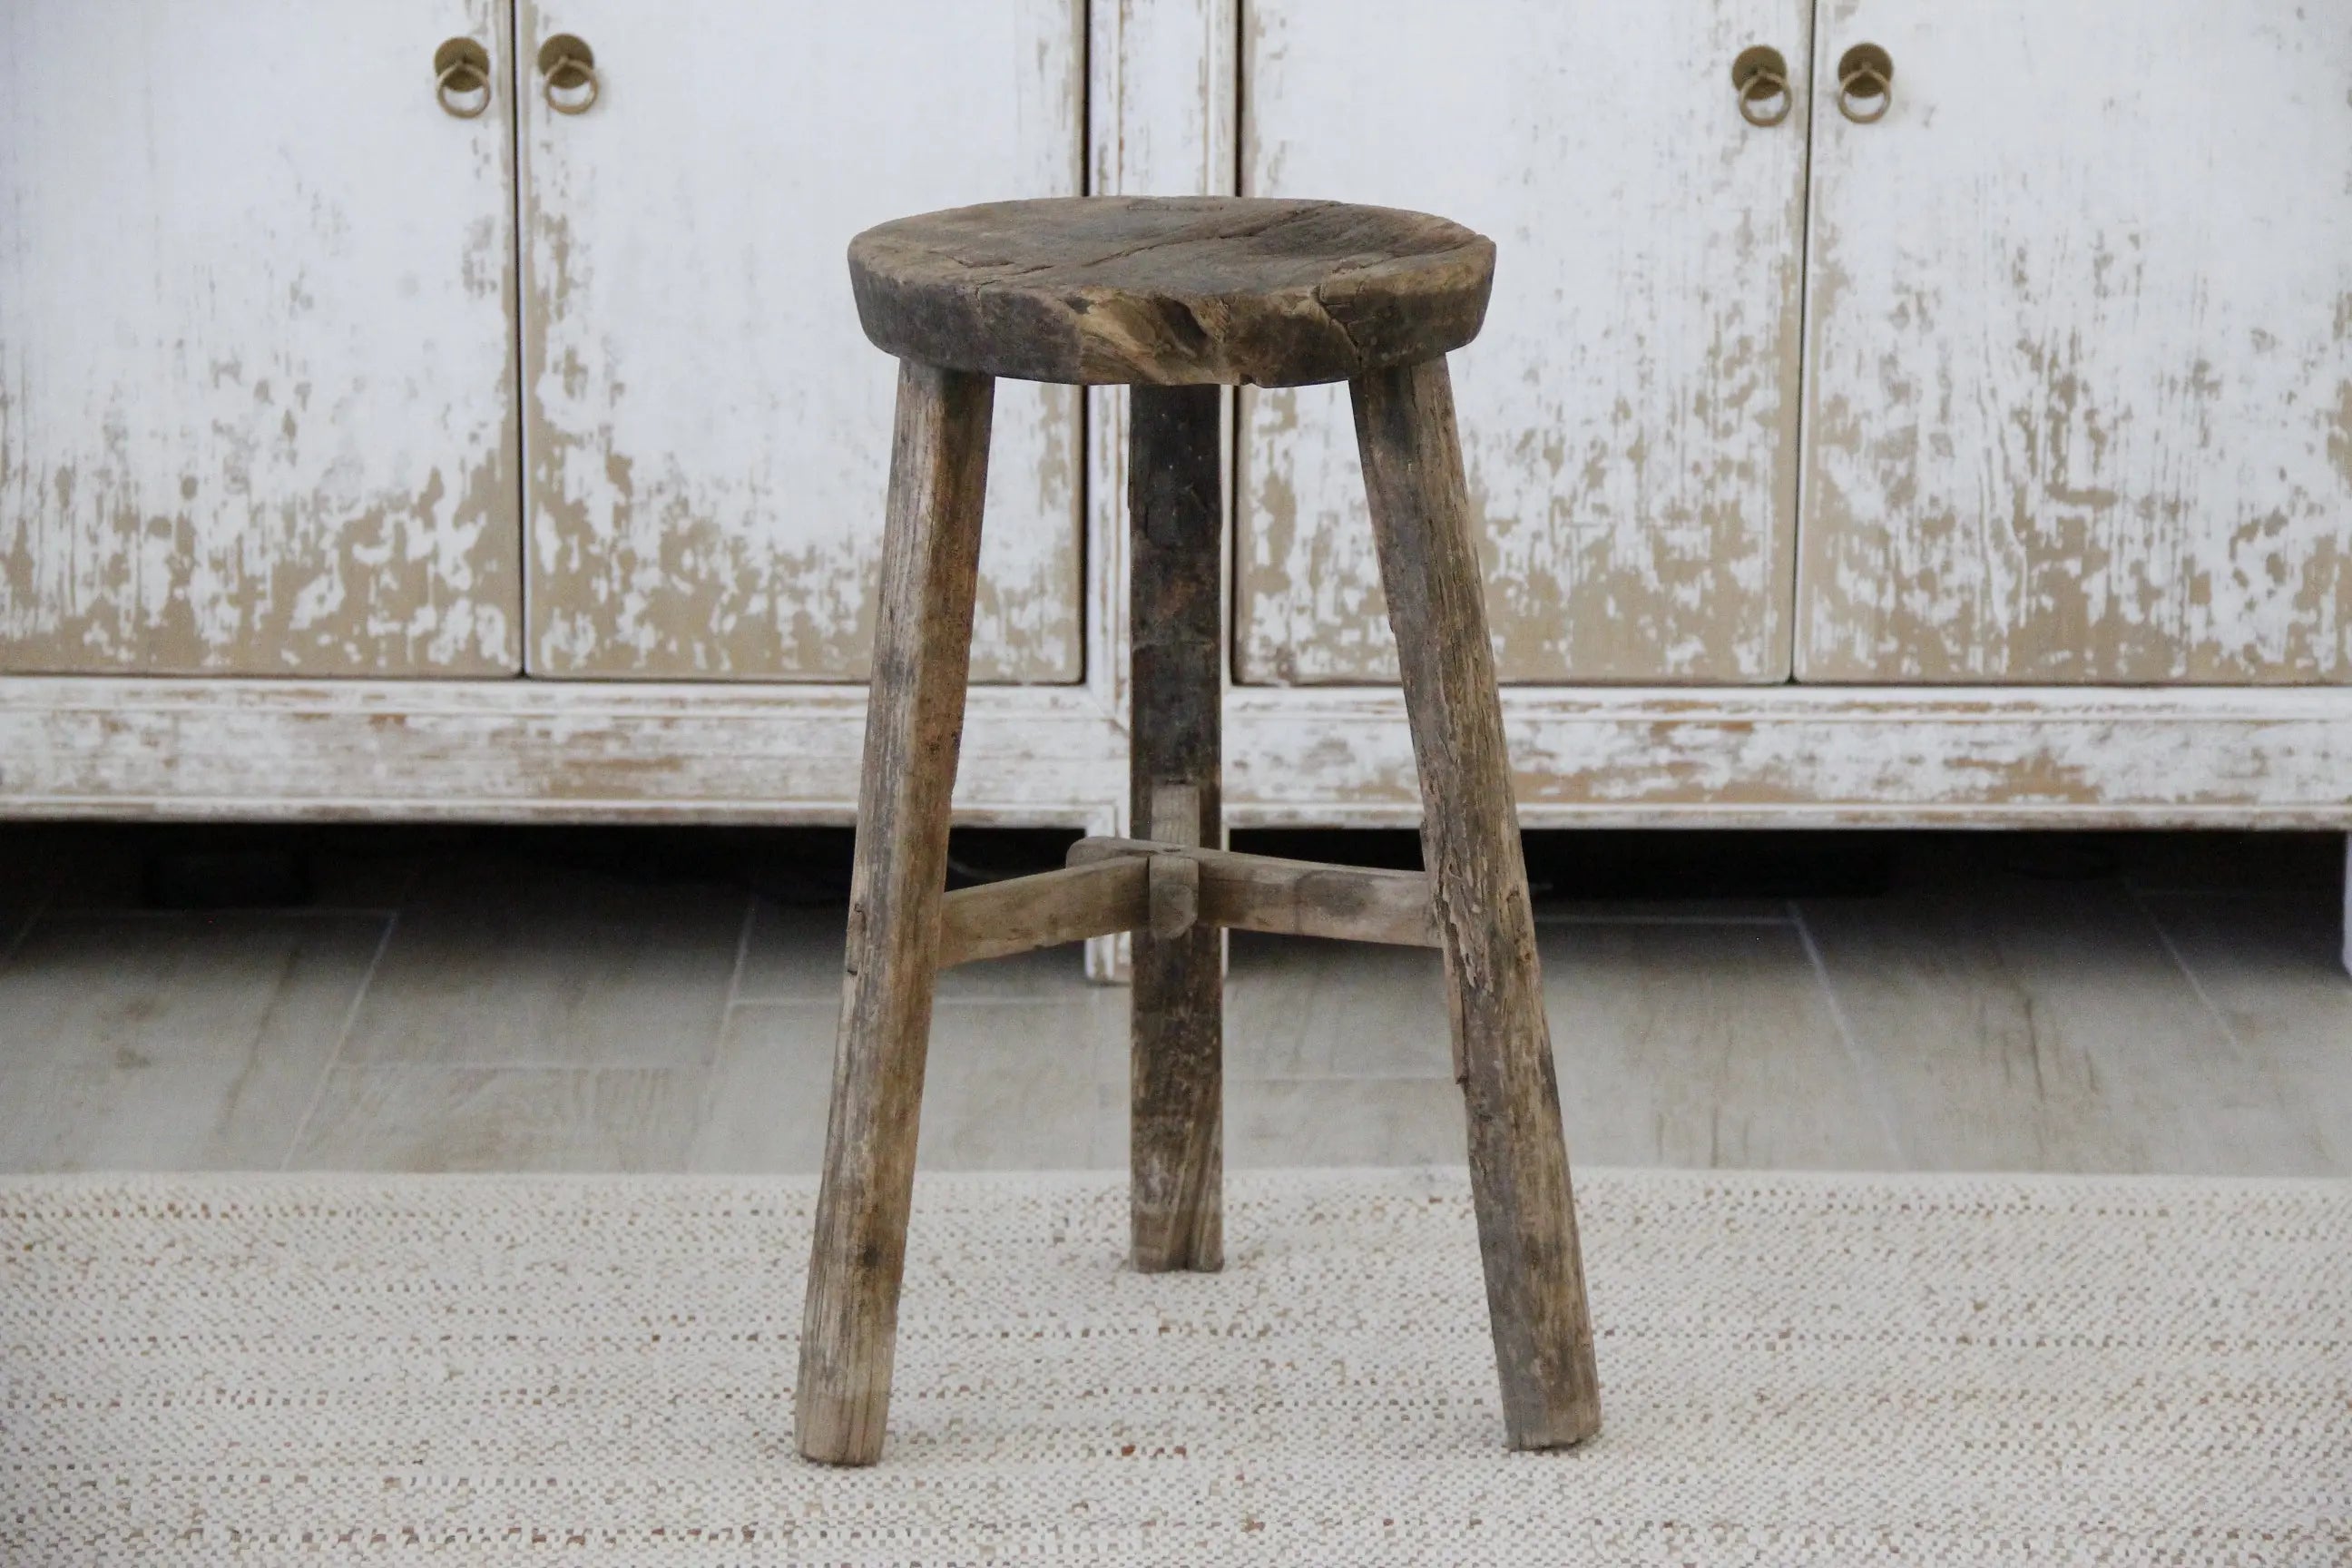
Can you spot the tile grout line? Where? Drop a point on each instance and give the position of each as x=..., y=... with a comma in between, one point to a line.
x=706, y=1101
x=742, y=955
x=1855, y=1056
x=2197, y=987
x=2180, y=962
x=25, y=927
x=342, y=1037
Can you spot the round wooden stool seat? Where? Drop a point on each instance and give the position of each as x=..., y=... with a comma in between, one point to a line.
x=1171, y=291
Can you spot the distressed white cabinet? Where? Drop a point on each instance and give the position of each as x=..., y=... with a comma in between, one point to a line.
x=256, y=376
x=1628, y=415
x=2078, y=400
x=708, y=430
x=2063, y=537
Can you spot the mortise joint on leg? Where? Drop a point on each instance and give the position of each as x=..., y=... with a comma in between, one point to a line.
x=1176, y=813
x=1175, y=880
x=1174, y=893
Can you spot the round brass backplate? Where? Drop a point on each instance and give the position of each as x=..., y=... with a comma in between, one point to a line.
x=1756, y=60
x=566, y=61
x=1867, y=58
x=462, y=52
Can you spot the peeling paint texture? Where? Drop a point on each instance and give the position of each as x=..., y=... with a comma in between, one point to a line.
x=257, y=374
x=1628, y=414
x=2079, y=391
x=708, y=431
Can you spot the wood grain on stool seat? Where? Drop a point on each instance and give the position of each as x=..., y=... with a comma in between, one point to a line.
x=1171, y=291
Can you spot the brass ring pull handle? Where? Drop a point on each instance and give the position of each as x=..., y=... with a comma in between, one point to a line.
x=1865, y=74
x=1761, y=76
x=461, y=70
x=567, y=65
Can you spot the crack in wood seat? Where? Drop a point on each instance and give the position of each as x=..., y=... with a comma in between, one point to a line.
x=1171, y=291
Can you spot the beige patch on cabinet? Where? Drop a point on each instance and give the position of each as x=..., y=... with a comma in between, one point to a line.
x=257, y=405
x=2079, y=380
x=707, y=429
x=1628, y=415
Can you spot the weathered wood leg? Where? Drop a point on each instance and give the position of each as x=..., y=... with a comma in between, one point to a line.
x=922, y=656
x=2348, y=903
x=1176, y=1103
x=1518, y=1159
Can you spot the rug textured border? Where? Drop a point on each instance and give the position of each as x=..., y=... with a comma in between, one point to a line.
x=1796, y=1369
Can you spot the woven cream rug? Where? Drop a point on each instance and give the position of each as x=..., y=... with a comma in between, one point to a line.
x=1804, y=1370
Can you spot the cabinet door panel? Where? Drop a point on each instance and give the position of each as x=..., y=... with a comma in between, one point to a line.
x=709, y=431
x=257, y=342
x=1628, y=414
x=2079, y=377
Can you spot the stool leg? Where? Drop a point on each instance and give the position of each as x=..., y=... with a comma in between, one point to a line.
x=1176, y=1104
x=922, y=656
x=1518, y=1159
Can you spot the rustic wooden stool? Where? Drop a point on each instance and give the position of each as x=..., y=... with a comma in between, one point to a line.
x=1177, y=298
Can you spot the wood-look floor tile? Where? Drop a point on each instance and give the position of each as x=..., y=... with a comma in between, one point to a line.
x=172, y=1041
x=794, y=954
x=770, y=1089
x=1275, y=1122
x=2036, y=1028
x=2270, y=965
x=1704, y=1045
x=1006, y=1086
x=507, y=967
x=502, y=1119
x=1297, y=1007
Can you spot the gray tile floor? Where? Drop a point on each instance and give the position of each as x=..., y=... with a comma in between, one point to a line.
x=486, y=1001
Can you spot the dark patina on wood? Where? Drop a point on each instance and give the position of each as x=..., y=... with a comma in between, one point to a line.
x=1176, y=297
x=1021, y=914
x=1287, y=898
x=1171, y=291
x=1175, y=510
x=1478, y=889
x=922, y=658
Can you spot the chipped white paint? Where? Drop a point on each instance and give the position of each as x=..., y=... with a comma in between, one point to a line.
x=1827, y=756
x=708, y=431
x=256, y=382
x=1765, y=756
x=1628, y=415
x=2079, y=390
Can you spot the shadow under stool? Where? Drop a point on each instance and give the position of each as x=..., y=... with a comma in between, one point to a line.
x=1177, y=298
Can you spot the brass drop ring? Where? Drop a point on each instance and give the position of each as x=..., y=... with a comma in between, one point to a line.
x=567, y=64
x=1760, y=89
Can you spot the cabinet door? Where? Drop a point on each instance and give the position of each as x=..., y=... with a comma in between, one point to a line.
x=708, y=431
x=2079, y=396
x=1628, y=412
x=257, y=342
